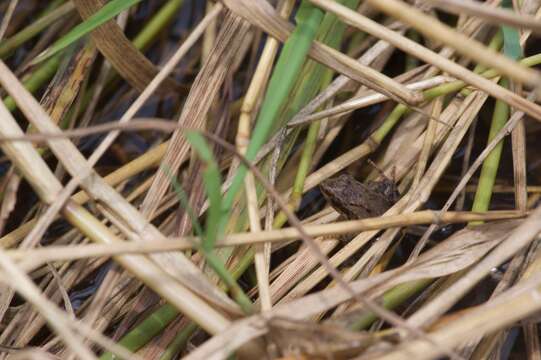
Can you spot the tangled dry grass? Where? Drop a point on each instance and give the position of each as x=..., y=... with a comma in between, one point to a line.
x=159, y=179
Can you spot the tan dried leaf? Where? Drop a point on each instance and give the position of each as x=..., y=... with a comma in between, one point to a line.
x=130, y=63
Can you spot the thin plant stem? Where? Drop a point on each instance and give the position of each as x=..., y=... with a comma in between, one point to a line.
x=490, y=166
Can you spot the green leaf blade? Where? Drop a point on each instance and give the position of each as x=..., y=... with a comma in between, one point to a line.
x=212, y=181
x=511, y=37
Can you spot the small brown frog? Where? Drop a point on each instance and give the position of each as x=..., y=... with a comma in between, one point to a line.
x=355, y=200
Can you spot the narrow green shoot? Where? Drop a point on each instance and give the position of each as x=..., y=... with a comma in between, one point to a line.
x=179, y=342
x=144, y=332
x=185, y=203
x=392, y=299
x=511, y=37
x=283, y=78
x=213, y=261
x=213, y=181
x=302, y=172
x=483, y=195
x=156, y=24
x=490, y=166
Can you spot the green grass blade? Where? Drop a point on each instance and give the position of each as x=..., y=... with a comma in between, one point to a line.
x=511, y=37
x=212, y=181
x=156, y=24
x=240, y=297
x=285, y=74
x=179, y=342
x=390, y=300
x=511, y=43
x=106, y=13
x=151, y=326
x=184, y=202
x=206, y=247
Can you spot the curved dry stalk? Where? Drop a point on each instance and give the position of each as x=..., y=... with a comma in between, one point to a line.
x=121, y=53
x=157, y=80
